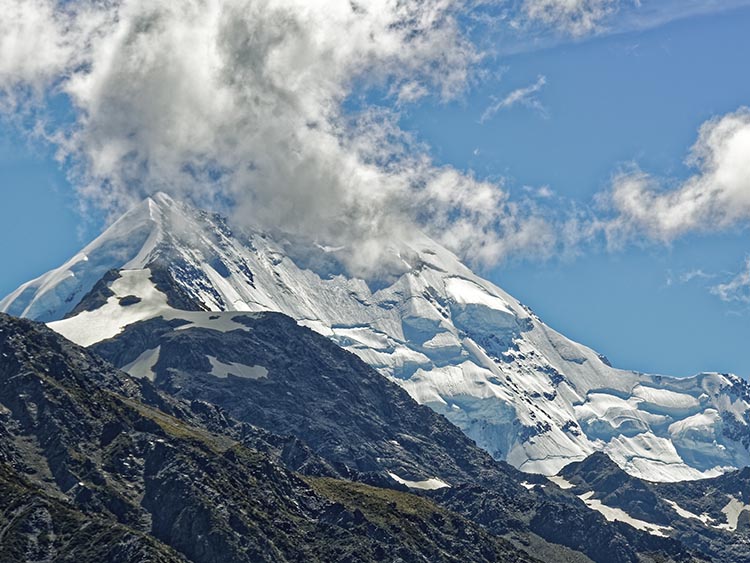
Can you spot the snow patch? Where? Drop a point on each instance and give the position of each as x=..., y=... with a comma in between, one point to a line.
x=732, y=511
x=143, y=366
x=467, y=292
x=426, y=485
x=561, y=482
x=617, y=514
x=223, y=370
x=705, y=518
x=90, y=327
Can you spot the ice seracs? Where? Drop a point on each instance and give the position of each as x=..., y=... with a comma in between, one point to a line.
x=453, y=340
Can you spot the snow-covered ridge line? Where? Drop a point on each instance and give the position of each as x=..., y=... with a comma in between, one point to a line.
x=128, y=243
x=453, y=340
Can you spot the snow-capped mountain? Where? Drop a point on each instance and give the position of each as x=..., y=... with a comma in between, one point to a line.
x=454, y=341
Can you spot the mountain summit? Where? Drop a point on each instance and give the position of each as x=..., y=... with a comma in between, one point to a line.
x=453, y=340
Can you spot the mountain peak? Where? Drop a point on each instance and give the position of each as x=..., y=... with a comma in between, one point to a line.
x=453, y=340
x=161, y=198
x=161, y=205
x=124, y=244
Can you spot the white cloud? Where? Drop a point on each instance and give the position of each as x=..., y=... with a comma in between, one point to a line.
x=641, y=15
x=240, y=104
x=687, y=277
x=529, y=25
x=715, y=198
x=32, y=41
x=524, y=96
x=574, y=17
x=736, y=289
x=542, y=192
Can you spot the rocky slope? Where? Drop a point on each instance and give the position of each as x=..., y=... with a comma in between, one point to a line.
x=186, y=480
x=265, y=369
x=91, y=469
x=711, y=515
x=36, y=526
x=454, y=341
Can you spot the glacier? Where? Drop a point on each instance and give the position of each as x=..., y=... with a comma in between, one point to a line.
x=454, y=341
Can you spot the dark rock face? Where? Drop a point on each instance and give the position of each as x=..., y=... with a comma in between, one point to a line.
x=97, y=295
x=344, y=410
x=163, y=273
x=559, y=518
x=98, y=467
x=129, y=300
x=39, y=527
x=655, y=502
x=616, y=488
x=364, y=427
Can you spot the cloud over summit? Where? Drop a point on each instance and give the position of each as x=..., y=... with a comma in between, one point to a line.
x=243, y=106
x=239, y=104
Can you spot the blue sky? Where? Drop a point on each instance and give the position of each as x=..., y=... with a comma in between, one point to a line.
x=634, y=91
x=638, y=96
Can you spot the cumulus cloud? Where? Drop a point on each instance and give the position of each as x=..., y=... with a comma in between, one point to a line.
x=240, y=105
x=32, y=42
x=716, y=197
x=524, y=96
x=574, y=17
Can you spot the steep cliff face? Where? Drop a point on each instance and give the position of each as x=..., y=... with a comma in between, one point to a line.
x=452, y=340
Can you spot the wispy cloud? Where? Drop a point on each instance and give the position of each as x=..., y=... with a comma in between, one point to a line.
x=647, y=14
x=687, y=277
x=737, y=289
x=573, y=17
x=524, y=96
x=528, y=25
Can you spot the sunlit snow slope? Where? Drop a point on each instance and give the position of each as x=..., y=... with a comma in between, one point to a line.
x=454, y=341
